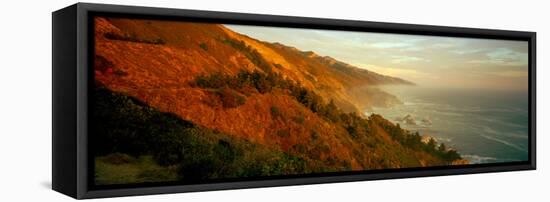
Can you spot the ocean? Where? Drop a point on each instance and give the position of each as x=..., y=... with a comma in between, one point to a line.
x=484, y=126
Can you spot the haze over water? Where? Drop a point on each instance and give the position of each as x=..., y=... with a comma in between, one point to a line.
x=485, y=126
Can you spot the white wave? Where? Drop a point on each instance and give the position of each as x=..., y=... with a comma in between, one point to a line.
x=485, y=109
x=506, y=109
x=491, y=120
x=443, y=139
x=489, y=130
x=507, y=134
x=504, y=142
x=475, y=159
x=448, y=113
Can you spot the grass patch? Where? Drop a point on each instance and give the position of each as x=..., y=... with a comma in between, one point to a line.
x=123, y=169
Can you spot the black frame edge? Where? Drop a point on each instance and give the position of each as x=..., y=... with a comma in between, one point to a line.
x=82, y=99
x=64, y=145
x=311, y=22
x=533, y=98
x=79, y=165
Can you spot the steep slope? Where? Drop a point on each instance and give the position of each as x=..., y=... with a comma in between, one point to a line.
x=353, y=89
x=261, y=93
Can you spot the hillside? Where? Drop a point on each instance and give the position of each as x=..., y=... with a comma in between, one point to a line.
x=353, y=89
x=206, y=79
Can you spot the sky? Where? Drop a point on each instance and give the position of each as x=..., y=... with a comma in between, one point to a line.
x=429, y=61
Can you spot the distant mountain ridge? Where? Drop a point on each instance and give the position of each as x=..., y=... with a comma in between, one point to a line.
x=361, y=74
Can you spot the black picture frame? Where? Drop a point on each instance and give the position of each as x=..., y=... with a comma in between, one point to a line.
x=72, y=47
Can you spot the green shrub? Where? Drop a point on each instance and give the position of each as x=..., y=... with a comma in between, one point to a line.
x=300, y=148
x=314, y=135
x=314, y=153
x=331, y=112
x=276, y=112
x=203, y=46
x=215, y=81
x=299, y=119
x=230, y=98
x=355, y=125
x=283, y=133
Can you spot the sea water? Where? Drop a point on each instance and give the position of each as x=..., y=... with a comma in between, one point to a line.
x=484, y=126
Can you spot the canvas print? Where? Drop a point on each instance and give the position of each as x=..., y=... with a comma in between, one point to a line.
x=190, y=102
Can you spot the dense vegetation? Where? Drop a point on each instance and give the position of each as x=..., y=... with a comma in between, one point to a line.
x=354, y=124
x=129, y=132
x=266, y=81
x=414, y=141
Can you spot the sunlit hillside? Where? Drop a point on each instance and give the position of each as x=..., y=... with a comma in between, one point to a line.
x=195, y=102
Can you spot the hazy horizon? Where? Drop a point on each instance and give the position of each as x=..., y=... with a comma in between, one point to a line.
x=429, y=61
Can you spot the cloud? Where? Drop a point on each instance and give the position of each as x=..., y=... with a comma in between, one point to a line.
x=503, y=57
x=497, y=62
x=413, y=48
x=392, y=71
x=390, y=45
x=467, y=51
x=443, y=45
x=407, y=59
x=505, y=54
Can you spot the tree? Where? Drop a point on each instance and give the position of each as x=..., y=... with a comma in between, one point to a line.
x=442, y=148
x=414, y=140
x=263, y=85
x=332, y=112
x=452, y=155
x=431, y=145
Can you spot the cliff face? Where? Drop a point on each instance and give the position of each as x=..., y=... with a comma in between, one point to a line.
x=159, y=62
